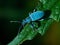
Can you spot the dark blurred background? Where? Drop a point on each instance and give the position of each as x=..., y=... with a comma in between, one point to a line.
x=18, y=10
x=13, y=10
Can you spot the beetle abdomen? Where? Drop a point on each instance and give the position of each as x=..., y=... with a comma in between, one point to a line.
x=36, y=15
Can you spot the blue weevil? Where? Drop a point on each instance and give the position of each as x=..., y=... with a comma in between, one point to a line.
x=35, y=17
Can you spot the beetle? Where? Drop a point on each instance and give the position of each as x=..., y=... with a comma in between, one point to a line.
x=36, y=16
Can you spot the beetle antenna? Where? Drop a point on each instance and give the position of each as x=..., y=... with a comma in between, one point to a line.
x=15, y=21
x=20, y=28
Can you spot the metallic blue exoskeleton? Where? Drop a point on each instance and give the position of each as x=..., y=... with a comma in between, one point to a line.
x=35, y=16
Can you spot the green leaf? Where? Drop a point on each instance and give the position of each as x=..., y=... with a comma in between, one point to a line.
x=29, y=33
x=53, y=5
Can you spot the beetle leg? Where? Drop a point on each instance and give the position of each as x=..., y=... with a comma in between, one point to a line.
x=47, y=18
x=29, y=13
x=34, y=26
x=41, y=20
x=20, y=28
x=38, y=22
x=34, y=10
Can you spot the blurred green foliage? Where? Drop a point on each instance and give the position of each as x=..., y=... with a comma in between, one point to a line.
x=28, y=33
x=18, y=10
x=13, y=10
